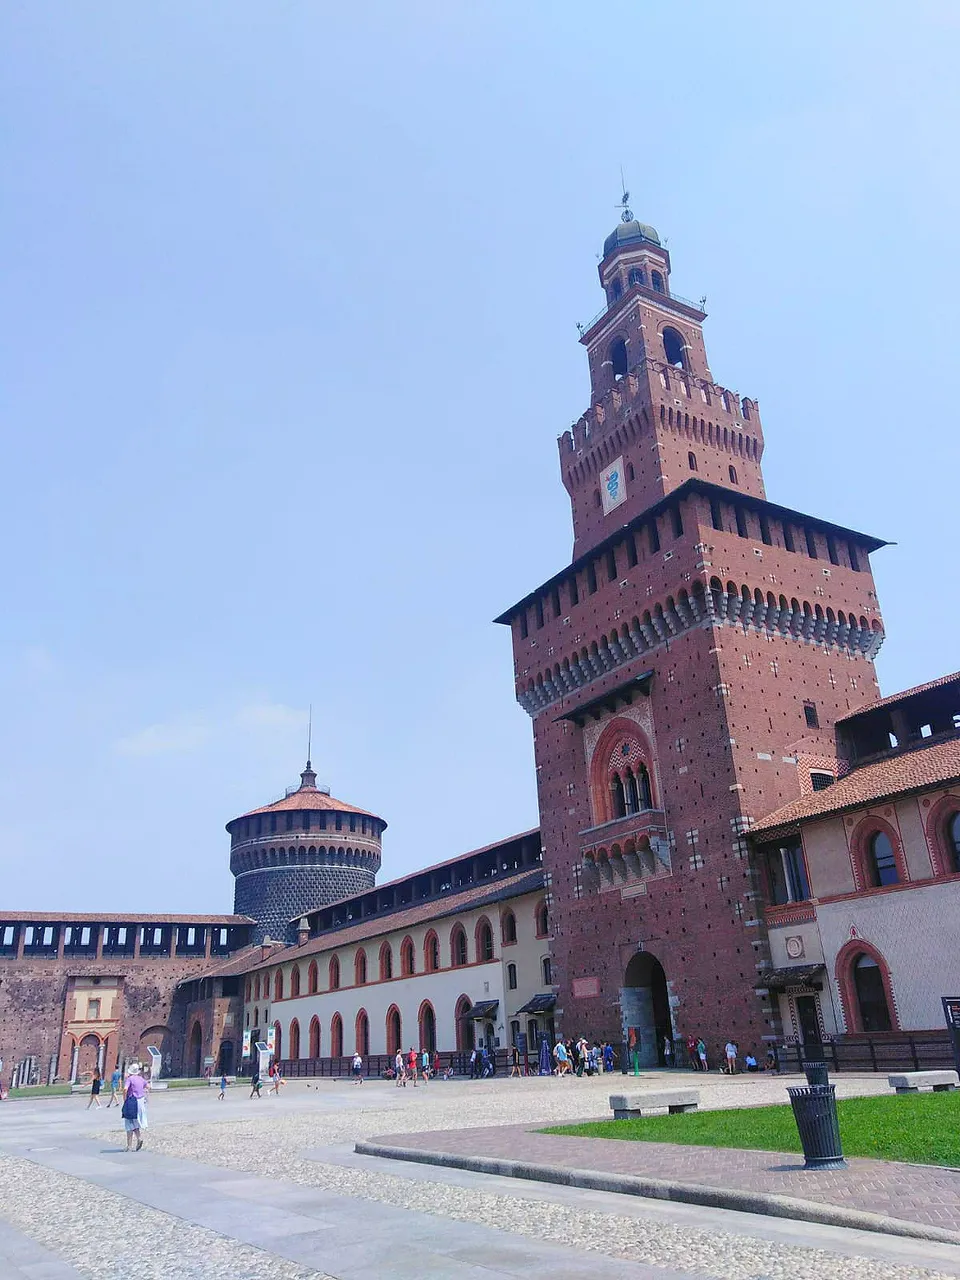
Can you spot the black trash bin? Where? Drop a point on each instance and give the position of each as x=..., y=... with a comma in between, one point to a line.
x=815, y=1111
x=816, y=1073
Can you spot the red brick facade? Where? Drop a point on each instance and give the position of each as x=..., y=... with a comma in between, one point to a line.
x=730, y=633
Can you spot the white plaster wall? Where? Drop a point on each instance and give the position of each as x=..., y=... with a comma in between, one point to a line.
x=917, y=931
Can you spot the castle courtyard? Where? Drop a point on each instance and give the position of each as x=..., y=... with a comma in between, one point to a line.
x=273, y=1188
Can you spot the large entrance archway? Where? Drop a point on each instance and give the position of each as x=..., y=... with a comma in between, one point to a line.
x=196, y=1049
x=645, y=1007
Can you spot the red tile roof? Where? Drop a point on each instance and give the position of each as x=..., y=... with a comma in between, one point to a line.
x=900, y=697
x=240, y=962
x=477, y=895
x=113, y=917
x=903, y=771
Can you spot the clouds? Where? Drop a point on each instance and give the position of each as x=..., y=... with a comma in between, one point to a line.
x=189, y=732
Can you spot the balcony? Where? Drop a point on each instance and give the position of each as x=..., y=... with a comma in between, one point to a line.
x=625, y=853
x=683, y=305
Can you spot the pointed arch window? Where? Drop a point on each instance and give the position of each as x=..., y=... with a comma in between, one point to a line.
x=313, y=978
x=953, y=842
x=458, y=947
x=656, y=280
x=509, y=928
x=636, y=276
x=484, y=942
x=872, y=1005
x=334, y=973
x=618, y=357
x=542, y=920
x=406, y=957
x=360, y=967
x=336, y=1036
x=386, y=962
x=881, y=861
x=363, y=1033
x=294, y=1051
x=431, y=952
x=314, y=1037
x=294, y=985
x=278, y=985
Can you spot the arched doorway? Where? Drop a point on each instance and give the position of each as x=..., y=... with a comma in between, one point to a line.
x=428, y=1027
x=195, y=1059
x=87, y=1055
x=226, y=1057
x=394, y=1034
x=463, y=1024
x=645, y=1007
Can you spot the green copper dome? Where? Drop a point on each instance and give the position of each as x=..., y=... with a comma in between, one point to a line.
x=631, y=232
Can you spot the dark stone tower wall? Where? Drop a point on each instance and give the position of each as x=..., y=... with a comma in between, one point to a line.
x=275, y=897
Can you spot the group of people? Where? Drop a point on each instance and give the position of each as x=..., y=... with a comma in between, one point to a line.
x=256, y=1082
x=697, y=1054
x=411, y=1065
x=580, y=1058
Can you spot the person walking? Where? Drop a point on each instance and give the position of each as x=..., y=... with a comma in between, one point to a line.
x=667, y=1051
x=223, y=1086
x=731, y=1053
x=255, y=1084
x=115, y=1095
x=95, y=1085
x=692, y=1053
x=608, y=1056
x=412, y=1064
x=473, y=1064
x=137, y=1091
x=357, y=1068
x=130, y=1114
x=425, y=1065
x=400, y=1069
x=702, y=1055
x=561, y=1058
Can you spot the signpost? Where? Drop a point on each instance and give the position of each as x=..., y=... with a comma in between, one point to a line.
x=156, y=1066
x=951, y=1012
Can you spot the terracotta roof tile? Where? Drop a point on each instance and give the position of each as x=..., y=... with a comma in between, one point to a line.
x=903, y=771
x=240, y=962
x=476, y=895
x=900, y=697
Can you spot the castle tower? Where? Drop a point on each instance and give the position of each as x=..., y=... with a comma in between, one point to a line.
x=683, y=674
x=300, y=853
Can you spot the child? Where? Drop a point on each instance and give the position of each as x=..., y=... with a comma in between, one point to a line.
x=223, y=1086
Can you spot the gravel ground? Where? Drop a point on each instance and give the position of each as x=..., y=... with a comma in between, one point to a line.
x=274, y=1138
x=108, y=1237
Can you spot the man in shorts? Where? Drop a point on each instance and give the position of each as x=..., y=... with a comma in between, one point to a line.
x=357, y=1069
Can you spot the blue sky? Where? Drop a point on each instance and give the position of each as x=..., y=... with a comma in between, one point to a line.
x=291, y=294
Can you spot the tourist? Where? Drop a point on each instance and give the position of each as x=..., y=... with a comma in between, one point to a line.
x=515, y=1069
x=608, y=1056
x=115, y=1077
x=412, y=1064
x=130, y=1114
x=436, y=1064
x=731, y=1052
x=473, y=1064
x=667, y=1051
x=593, y=1059
x=750, y=1063
x=95, y=1084
x=772, y=1064
x=425, y=1065
x=136, y=1088
x=277, y=1079
x=583, y=1050
x=400, y=1069
x=692, y=1058
x=357, y=1068
x=255, y=1084
x=223, y=1086
x=561, y=1058
x=702, y=1055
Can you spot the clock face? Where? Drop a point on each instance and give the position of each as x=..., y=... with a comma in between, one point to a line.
x=794, y=948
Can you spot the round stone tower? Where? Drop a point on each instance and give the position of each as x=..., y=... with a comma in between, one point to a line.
x=300, y=853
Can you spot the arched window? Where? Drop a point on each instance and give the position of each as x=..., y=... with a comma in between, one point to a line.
x=363, y=1033
x=632, y=795
x=277, y=1042
x=431, y=952
x=733, y=475
x=256, y=1015
x=295, y=981
x=314, y=1037
x=313, y=978
x=512, y=977
x=881, y=861
x=616, y=288
x=386, y=962
x=458, y=947
x=256, y=988
x=294, y=1051
x=247, y=990
x=621, y=751
x=872, y=1007
x=543, y=920
x=278, y=985
x=428, y=1027
x=394, y=1029
x=484, y=940
x=618, y=796
x=334, y=973
x=657, y=281
x=692, y=461
x=643, y=787
x=464, y=1024
x=547, y=969
x=509, y=929
x=636, y=276
x=674, y=348
x=336, y=1036
x=618, y=357
x=360, y=967
x=406, y=957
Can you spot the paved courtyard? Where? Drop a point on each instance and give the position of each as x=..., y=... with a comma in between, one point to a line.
x=273, y=1189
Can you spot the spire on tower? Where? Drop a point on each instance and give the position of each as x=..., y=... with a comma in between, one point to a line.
x=624, y=204
x=309, y=777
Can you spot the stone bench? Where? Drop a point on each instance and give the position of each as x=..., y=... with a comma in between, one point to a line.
x=628, y=1106
x=914, y=1081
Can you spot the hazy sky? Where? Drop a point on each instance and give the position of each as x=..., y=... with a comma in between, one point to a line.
x=289, y=334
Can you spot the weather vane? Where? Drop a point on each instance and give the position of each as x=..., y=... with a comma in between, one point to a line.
x=626, y=215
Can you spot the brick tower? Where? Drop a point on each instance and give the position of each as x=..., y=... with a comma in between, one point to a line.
x=683, y=674
x=300, y=853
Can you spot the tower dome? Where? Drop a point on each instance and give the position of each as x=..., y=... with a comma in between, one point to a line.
x=299, y=853
x=629, y=231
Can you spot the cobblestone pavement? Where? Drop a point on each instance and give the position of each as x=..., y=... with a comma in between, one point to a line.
x=196, y=1202
x=911, y=1192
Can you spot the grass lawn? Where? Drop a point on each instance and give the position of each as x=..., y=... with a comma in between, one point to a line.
x=923, y=1128
x=41, y=1091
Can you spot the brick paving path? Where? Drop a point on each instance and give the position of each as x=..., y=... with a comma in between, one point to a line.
x=910, y=1192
